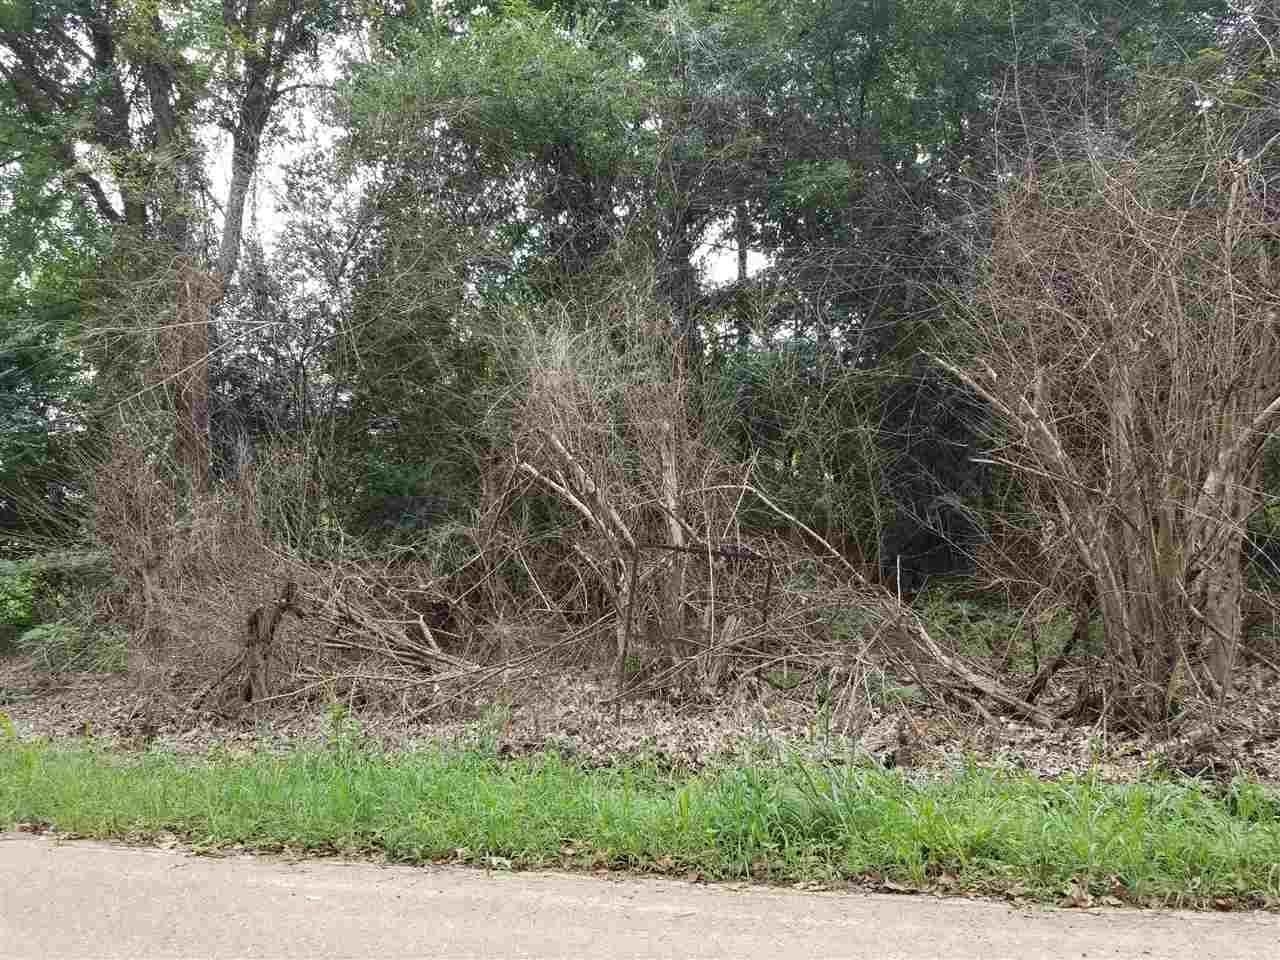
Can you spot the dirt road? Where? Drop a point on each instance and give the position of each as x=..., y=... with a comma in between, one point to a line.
x=81, y=899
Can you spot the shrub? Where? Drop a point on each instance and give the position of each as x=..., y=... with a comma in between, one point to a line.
x=63, y=645
x=17, y=600
x=46, y=608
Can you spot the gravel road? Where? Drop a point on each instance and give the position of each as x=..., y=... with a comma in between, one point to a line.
x=80, y=899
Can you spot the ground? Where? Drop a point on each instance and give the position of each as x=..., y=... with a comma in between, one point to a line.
x=570, y=712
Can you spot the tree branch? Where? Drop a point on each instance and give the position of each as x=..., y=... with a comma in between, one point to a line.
x=99, y=197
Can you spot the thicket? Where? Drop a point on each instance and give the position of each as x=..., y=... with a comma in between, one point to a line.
x=691, y=343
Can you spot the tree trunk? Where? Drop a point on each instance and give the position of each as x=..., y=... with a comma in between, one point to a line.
x=246, y=143
x=1217, y=591
x=681, y=284
x=1223, y=592
x=184, y=351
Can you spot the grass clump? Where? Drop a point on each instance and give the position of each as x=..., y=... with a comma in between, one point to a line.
x=1176, y=843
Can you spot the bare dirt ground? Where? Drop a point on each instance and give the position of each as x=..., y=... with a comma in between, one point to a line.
x=79, y=899
x=570, y=713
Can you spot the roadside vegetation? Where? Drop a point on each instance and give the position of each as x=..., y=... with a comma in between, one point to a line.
x=1001, y=832
x=902, y=375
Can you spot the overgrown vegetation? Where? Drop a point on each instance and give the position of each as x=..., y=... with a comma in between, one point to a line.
x=1165, y=842
x=48, y=610
x=691, y=343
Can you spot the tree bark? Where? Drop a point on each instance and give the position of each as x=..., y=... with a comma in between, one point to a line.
x=260, y=95
x=185, y=369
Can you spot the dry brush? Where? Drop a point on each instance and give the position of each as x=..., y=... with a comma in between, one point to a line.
x=1131, y=346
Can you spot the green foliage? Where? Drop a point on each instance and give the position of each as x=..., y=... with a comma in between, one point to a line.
x=45, y=605
x=811, y=425
x=62, y=574
x=888, y=693
x=783, y=679
x=514, y=83
x=972, y=627
x=62, y=646
x=419, y=380
x=505, y=164
x=18, y=590
x=984, y=626
x=823, y=184
x=48, y=244
x=345, y=737
x=1171, y=842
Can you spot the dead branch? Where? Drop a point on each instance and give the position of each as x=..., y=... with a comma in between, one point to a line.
x=1084, y=610
x=260, y=635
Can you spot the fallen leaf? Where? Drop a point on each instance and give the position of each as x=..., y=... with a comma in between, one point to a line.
x=1120, y=889
x=1077, y=895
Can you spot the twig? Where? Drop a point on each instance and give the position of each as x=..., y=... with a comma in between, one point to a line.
x=792, y=518
x=977, y=707
x=209, y=688
x=1045, y=673
x=626, y=635
x=992, y=689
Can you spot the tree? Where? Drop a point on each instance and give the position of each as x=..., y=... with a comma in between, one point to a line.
x=111, y=94
x=42, y=391
x=847, y=142
x=515, y=125
x=49, y=242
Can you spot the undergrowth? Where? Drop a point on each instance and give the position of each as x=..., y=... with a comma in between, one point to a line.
x=47, y=612
x=980, y=830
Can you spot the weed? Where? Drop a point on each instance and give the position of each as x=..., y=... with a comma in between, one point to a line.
x=485, y=736
x=976, y=629
x=988, y=627
x=60, y=646
x=345, y=734
x=886, y=692
x=783, y=679
x=1166, y=842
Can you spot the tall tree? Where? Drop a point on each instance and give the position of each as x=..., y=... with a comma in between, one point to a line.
x=114, y=93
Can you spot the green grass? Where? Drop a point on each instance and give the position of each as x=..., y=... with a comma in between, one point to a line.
x=979, y=830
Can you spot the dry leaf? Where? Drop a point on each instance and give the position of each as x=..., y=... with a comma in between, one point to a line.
x=1077, y=896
